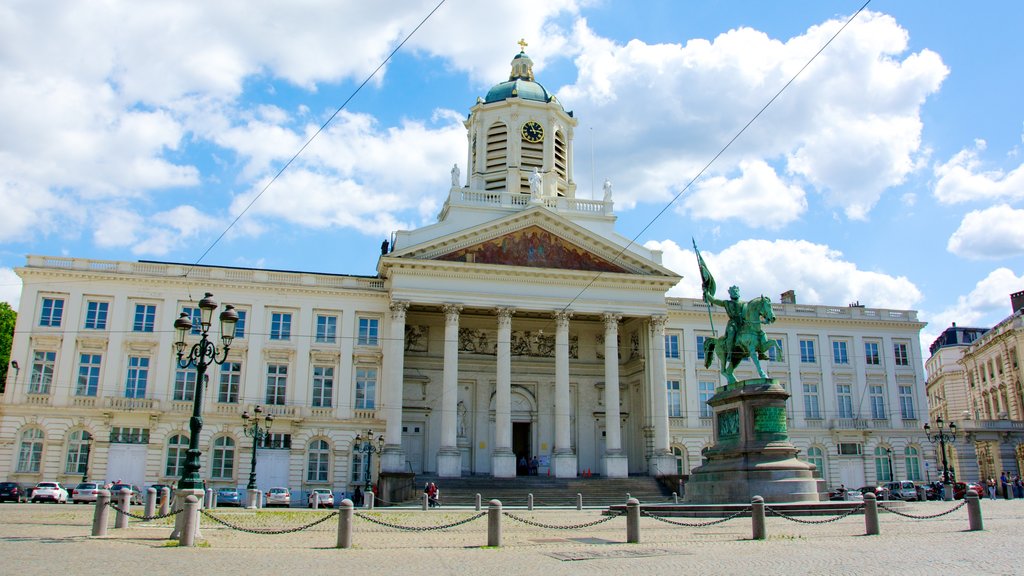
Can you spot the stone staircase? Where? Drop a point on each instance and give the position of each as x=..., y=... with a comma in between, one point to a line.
x=547, y=491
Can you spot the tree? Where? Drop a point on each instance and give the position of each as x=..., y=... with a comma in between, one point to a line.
x=7, y=318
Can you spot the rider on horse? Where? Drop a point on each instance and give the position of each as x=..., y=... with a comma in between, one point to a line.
x=736, y=309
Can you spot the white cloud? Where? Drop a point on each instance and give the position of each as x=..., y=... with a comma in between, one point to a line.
x=10, y=287
x=817, y=273
x=850, y=125
x=158, y=234
x=757, y=198
x=995, y=232
x=985, y=306
x=962, y=179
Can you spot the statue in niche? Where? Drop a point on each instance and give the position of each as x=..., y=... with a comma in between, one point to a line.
x=461, y=411
x=634, y=346
x=536, y=185
x=456, y=182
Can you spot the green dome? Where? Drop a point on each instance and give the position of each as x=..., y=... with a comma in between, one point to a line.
x=524, y=89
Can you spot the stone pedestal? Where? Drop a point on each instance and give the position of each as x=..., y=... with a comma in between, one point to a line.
x=503, y=464
x=615, y=466
x=449, y=463
x=752, y=454
x=564, y=465
x=179, y=504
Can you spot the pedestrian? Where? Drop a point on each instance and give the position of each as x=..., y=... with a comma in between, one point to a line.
x=432, y=495
x=990, y=485
x=1018, y=487
x=357, y=497
x=1004, y=485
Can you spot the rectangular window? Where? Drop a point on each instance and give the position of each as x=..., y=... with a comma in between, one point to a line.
x=907, y=402
x=230, y=378
x=671, y=345
x=700, y=347
x=277, y=384
x=145, y=318
x=280, y=326
x=675, y=399
x=51, y=312
x=877, y=397
x=366, y=388
x=706, y=390
x=775, y=353
x=326, y=329
x=96, y=315
x=807, y=352
x=883, y=467
x=43, y=365
x=88, y=374
x=185, y=385
x=124, y=435
x=811, y=405
x=871, y=357
x=277, y=441
x=839, y=354
x=138, y=377
x=240, y=325
x=367, y=332
x=844, y=400
x=323, y=386
x=899, y=350
x=196, y=315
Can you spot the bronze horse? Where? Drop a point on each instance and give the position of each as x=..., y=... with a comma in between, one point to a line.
x=750, y=341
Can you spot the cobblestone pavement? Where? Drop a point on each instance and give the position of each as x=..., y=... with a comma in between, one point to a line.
x=54, y=540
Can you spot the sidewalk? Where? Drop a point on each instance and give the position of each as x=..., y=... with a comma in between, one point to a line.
x=53, y=540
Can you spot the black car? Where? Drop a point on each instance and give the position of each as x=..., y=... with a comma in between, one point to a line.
x=12, y=492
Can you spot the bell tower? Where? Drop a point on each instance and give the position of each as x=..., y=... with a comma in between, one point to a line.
x=518, y=128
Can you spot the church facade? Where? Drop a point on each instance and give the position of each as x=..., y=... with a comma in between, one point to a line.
x=520, y=326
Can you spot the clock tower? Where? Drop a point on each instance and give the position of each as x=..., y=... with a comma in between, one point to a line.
x=517, y=128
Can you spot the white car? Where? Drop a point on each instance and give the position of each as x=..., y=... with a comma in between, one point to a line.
x=278, y=497
x=51, y=491
x=85, y=492
x=326, y=497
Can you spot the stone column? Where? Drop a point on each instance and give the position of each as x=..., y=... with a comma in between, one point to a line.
x=449, y=459
x=564, y=457
x=392, y=459
x=661, y=461
x=616, y=465
x=503, y=460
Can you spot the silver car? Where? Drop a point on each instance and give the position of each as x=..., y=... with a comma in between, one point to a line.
x=85, y=492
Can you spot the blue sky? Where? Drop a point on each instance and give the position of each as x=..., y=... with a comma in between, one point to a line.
x=889, y=173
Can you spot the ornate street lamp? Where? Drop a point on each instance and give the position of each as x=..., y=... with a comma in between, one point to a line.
x=942, y=437
x=258, y=434
x=888, y=452
x=88, y=454
x=367, y=446
x=201, y=355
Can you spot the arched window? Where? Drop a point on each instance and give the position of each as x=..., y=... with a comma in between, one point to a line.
x=318, y=461
x=679, y=453
x=883, y=464
x=223, y=458
x=913, y=461
x=816, y=456
x=177, y=448
x=30, y=451
x=78, y=453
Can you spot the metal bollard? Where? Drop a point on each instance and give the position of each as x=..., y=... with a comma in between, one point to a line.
x=675, y=497
x=633, y=521
x=870, y=514
x=124, y=502
x=150, y=509
x=974, y=519
x=210, y=501
x=494, y=523
x=477, y=501
x=757, y=517
x=165, y=501
x=254, y=499
x=370, y=497
x=99, y=515
x=426, y=501
x=316, y=500
x=579, y=501
x=191, y=523
x=345, y=524
x=529, y=501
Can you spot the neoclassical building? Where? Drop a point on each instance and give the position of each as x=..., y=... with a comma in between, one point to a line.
x=521, y=324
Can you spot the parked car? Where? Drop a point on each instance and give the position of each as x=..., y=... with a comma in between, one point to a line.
x=85, y=492
x=960, y=490
x=51, y=491
x=902, y=490
x=879, y=491
x=159, y=487
x=115, y=493
x=12, y=492
x=325, y=495
x=842, y=493
x=278, y=497
x=228, y=497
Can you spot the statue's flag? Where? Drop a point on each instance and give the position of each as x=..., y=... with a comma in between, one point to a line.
x=707, y=281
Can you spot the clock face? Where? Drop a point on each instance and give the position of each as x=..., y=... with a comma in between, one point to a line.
x=533, y=132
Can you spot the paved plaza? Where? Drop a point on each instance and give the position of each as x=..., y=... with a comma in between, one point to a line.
x=54, y=540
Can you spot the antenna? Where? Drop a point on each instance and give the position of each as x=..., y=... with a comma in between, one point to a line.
x=592, y=168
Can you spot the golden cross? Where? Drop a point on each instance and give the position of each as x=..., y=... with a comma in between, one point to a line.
x=522, y=44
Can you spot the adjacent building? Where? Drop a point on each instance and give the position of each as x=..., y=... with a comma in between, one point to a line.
x=521, y=324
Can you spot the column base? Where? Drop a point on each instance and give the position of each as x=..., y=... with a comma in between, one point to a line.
x=179, y=519
x=503, y=463
x=565, y=465
x=661, y=464
x=449, y=462
x=392, y=459
x=615, y=466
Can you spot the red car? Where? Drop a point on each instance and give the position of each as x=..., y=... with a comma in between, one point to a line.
x=960, y=490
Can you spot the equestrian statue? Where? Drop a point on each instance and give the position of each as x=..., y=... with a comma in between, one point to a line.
x=743, y=337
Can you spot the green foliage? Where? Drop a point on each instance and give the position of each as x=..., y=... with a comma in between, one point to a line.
x=7, y=318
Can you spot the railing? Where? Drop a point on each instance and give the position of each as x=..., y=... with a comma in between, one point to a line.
x=321, y=412
x=181, y=405
x=225, y=408
x=991, y=425
x=465, y=196
x=83, y=401
x=121, y=403
x=850, y=423
x=38, y=399
x=364, y=414
x=285, y=411
x=814, y=423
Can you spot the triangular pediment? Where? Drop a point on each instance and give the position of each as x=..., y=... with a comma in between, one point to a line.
x=533, y=247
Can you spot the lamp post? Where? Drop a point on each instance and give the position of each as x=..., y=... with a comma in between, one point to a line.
x=201, y=355
x=942, y=437
x=88, y=453
x=258, y=434
x=888, y=453
x=367, y=446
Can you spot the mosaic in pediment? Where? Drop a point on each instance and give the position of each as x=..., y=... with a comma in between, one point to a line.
x=533, y=247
